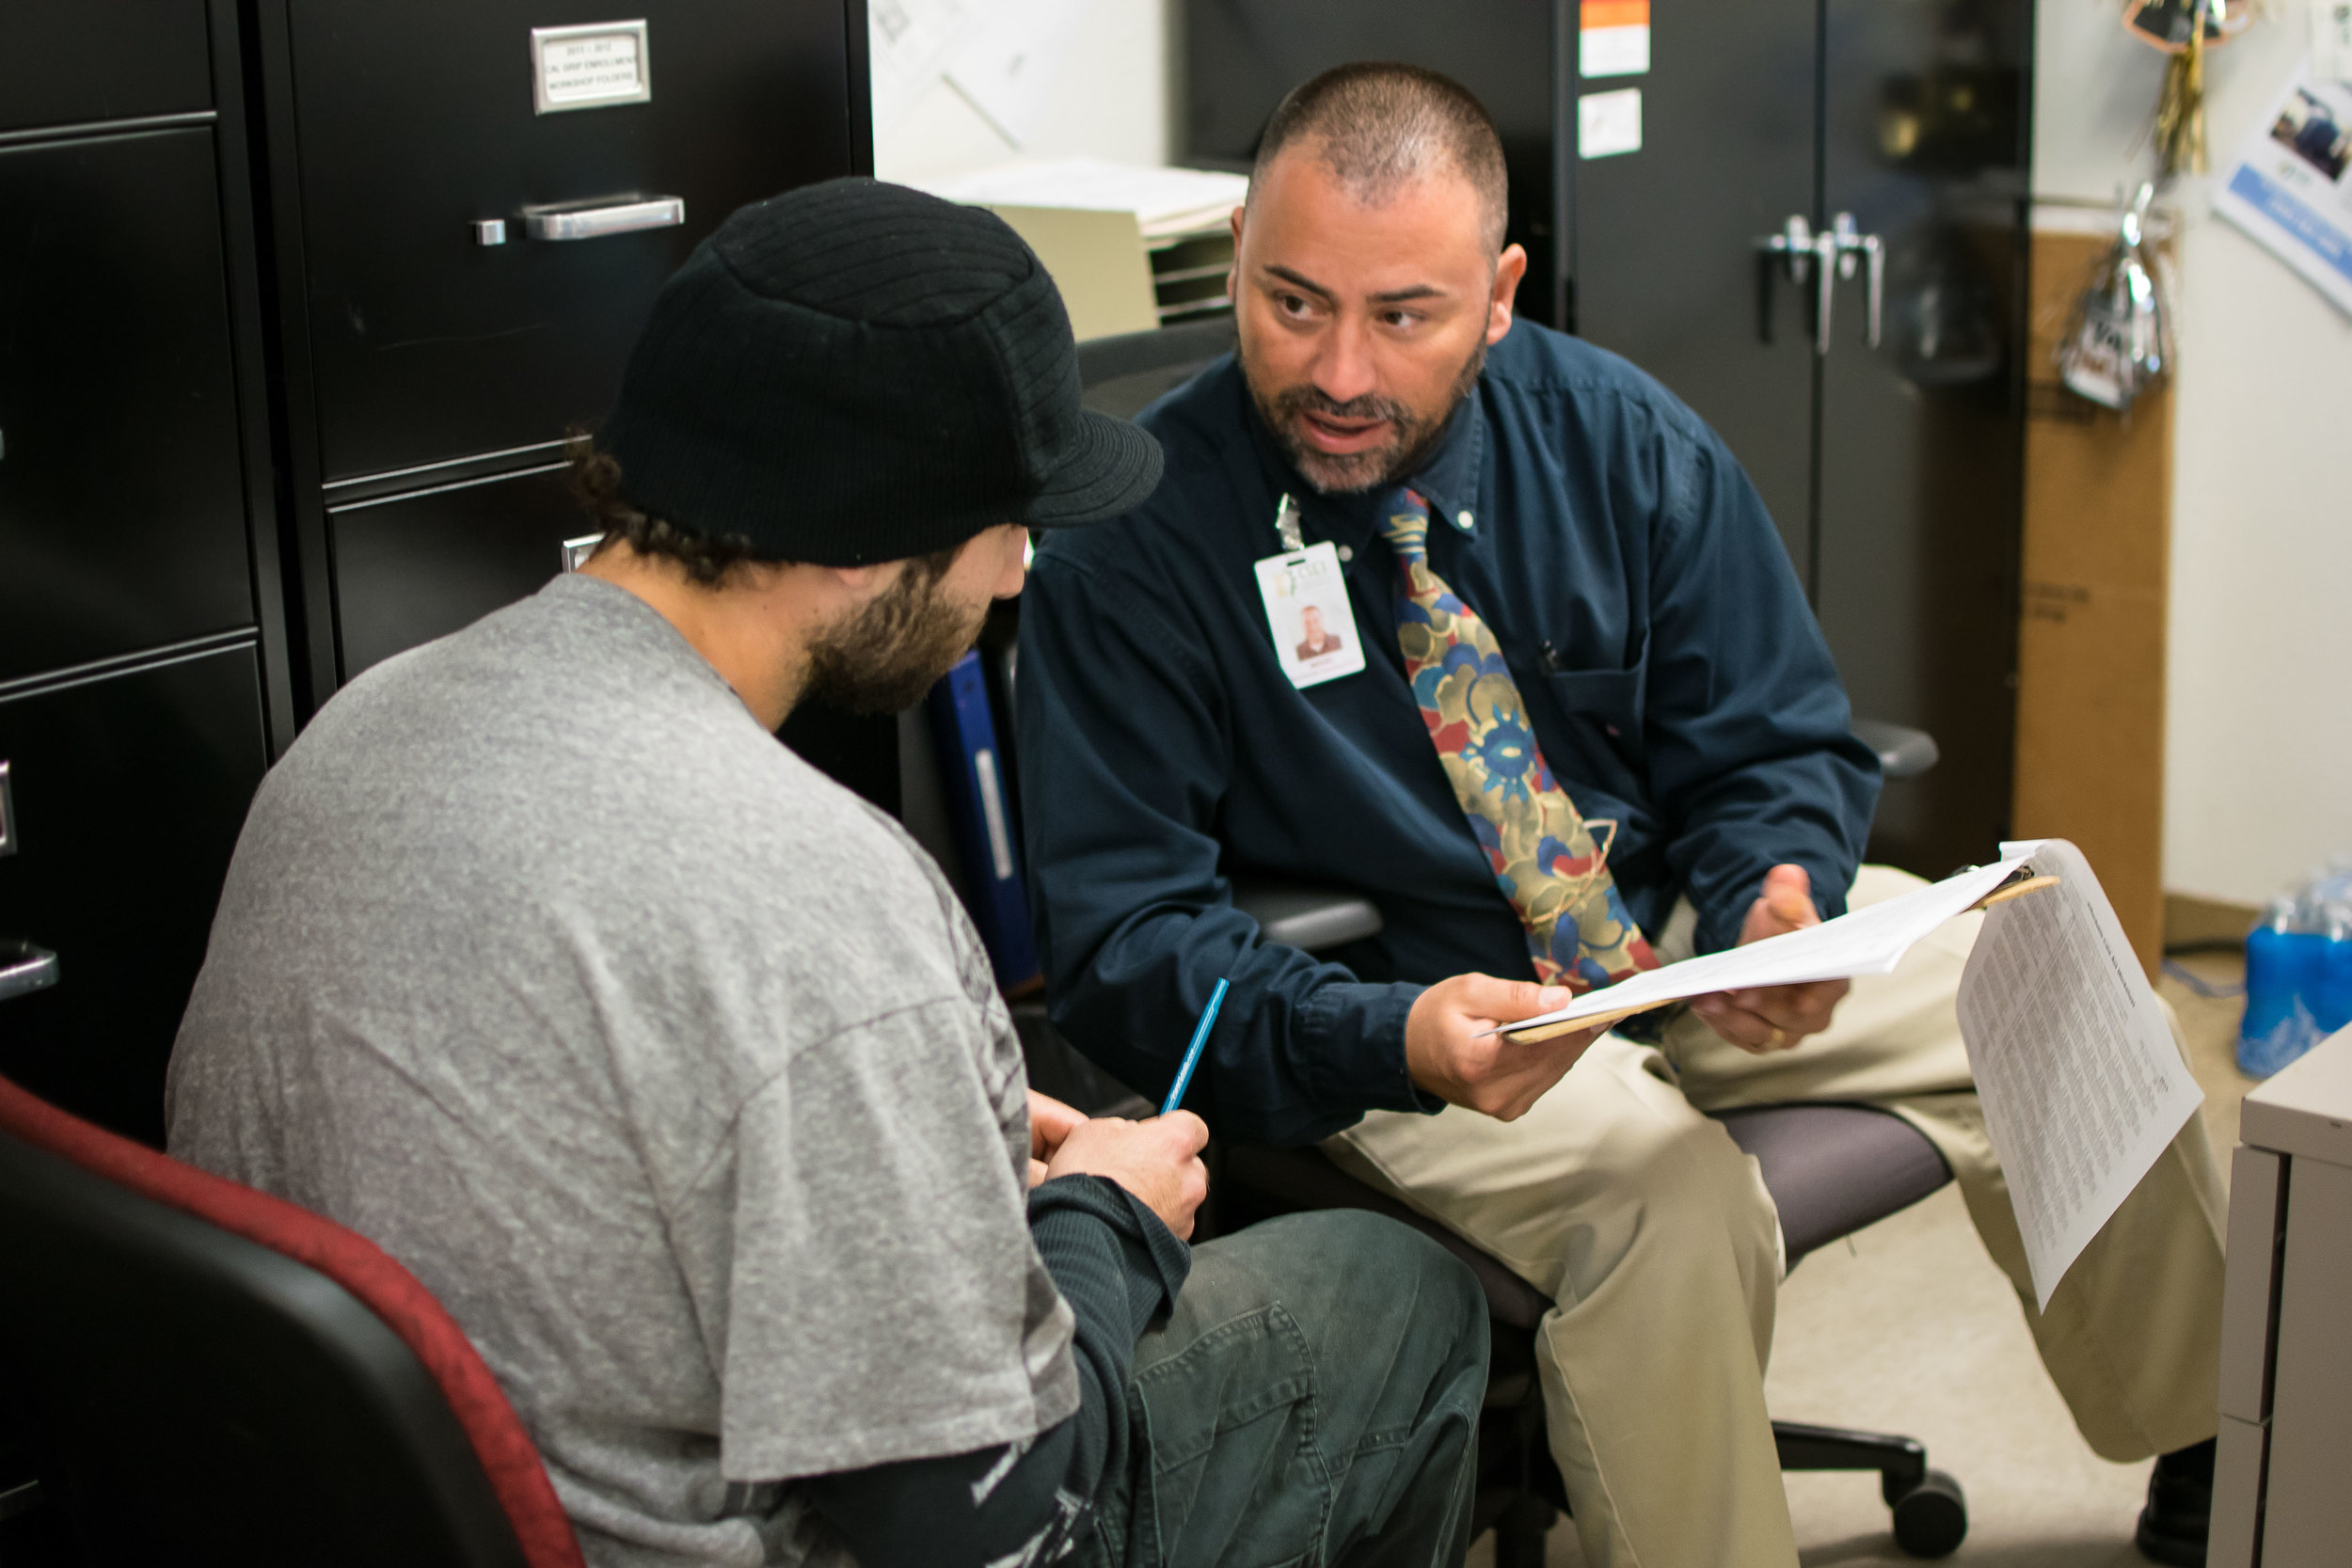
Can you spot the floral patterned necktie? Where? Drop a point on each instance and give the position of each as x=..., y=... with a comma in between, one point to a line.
x=1544, y=855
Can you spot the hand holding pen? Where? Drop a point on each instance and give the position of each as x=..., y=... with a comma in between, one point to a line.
x=1158, y=1161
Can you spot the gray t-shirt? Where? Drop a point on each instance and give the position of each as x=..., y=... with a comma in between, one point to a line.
x=671, y=1067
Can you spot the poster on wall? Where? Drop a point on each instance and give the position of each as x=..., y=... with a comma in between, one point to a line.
x=909, y=43
x=2287, y=186
x=1008, y=67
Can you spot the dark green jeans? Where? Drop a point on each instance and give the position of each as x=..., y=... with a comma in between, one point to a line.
x=1312, y=1398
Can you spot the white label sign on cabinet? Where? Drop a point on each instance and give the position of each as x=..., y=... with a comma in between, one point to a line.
x=1609, y=123
x=1613, y=40
x=589, y=67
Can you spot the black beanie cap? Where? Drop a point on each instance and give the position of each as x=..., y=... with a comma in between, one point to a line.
x=854, y=372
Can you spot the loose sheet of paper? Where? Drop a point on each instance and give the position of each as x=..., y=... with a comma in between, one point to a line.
x=1870, y=941
x=2082, y=1085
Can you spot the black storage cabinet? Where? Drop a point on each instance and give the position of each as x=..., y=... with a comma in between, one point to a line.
x=143, y=656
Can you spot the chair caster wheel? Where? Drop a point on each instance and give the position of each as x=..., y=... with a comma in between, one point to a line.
x=1932, y=1519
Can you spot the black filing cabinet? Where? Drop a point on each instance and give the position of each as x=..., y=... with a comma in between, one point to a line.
x=143, y=670
x=475, y=202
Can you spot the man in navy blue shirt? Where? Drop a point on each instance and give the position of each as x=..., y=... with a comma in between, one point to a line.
x=1590, y=723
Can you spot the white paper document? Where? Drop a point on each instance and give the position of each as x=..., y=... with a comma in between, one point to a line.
x=2082, y=1083
x=1869, y=940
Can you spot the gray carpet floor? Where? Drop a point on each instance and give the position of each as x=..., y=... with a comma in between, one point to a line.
x=1908, y=1328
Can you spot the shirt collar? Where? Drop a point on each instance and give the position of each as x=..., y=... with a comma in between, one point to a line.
x=1448, y=480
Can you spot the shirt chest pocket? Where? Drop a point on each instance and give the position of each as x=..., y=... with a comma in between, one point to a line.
x=1603, y=709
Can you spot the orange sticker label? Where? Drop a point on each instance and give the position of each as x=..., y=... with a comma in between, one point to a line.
x=1599, y=14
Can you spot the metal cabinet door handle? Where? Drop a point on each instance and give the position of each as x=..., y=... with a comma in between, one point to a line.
x=1826, y=255
x=1849, y=241
x=1795, y=246
x=1825, y=286
x=25, y=968
x=593, y=222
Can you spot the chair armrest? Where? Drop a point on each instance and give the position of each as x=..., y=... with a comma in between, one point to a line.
x=1904, y=752
x=1307, y=918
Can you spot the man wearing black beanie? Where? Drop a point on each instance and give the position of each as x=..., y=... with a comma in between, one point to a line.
x=679, y=1074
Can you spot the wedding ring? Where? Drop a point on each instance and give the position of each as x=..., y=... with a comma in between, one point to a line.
x=1780, y=1038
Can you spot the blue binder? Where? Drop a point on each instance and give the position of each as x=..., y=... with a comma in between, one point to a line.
x=971, y=765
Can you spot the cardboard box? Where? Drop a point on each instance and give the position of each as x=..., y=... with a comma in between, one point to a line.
x=2092, y=629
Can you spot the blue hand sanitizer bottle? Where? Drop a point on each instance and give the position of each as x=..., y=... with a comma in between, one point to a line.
x=2298, y=977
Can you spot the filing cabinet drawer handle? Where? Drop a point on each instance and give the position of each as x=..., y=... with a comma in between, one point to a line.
x=25, y=968
x=593, y=223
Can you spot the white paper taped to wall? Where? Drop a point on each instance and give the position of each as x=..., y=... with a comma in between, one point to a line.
x=2082, y=1083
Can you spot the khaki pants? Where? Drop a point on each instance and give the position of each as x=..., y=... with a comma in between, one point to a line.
x=1654, y=1235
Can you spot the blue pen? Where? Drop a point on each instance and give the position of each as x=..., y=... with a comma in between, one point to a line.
x=1192, y=1051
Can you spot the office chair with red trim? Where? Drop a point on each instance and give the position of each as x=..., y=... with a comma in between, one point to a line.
x=213, y=1375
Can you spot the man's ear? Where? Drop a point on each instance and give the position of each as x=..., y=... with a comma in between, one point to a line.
x=1233, y=274
x=862, y=581
x=1510, y=267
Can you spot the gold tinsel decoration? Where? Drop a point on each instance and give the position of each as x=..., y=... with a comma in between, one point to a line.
x=2181, y=105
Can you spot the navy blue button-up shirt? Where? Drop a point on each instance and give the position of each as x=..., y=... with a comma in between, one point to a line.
x=1662, y=647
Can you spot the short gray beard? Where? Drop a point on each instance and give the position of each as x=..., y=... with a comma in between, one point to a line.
x=1412, y=436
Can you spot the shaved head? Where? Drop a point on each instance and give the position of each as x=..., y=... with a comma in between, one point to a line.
x=1380, y=127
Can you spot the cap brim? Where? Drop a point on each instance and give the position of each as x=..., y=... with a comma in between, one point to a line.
x=1114, y=468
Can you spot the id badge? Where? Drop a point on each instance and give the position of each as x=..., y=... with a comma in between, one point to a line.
x=1306, y=608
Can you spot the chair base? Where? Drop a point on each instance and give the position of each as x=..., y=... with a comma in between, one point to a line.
x=1519, y=1532
x=1520, y=1496
x=1930, y=1511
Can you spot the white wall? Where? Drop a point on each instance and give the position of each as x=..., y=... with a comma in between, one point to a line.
x=2259, y=735
x=1110, y=101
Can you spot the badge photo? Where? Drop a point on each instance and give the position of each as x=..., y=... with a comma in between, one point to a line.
x=1305, y=609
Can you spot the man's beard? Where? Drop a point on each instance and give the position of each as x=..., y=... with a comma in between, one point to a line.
x=1412, y=434
x=886, y=655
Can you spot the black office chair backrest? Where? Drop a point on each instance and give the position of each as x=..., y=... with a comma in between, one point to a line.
x=1122, y=375
x=196, y=1398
